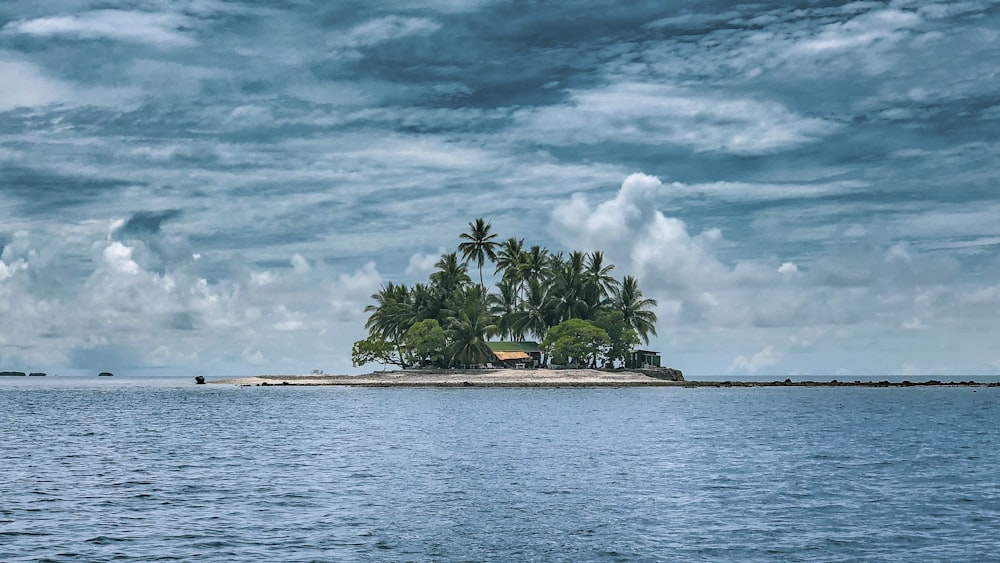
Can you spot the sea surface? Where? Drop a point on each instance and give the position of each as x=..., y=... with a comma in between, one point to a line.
x=102, y=469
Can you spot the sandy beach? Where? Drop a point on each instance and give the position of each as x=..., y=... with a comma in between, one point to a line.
x=555, y=378
x=464, y=378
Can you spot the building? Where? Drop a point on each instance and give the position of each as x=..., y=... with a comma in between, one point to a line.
x=642, y=359
x=517, y=354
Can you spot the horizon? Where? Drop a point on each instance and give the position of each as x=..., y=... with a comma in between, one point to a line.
x=219, y=187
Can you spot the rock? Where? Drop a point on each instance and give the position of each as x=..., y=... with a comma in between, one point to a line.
x=200, y=380
x=37, y=374
x=13, y=373
x=667, y=374
x=105, y=374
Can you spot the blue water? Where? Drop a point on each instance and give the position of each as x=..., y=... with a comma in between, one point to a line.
x=161, y=469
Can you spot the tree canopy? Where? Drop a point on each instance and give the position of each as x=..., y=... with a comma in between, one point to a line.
x=572, y=303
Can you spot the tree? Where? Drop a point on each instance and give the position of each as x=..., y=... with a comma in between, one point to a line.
x=426, y=341
x=621, y=339
x=629, y=300
x=504, y=308
x=390, y=316
x=479, y=245
x=469, y=328
x=535, y=317
x=450, y=276
x=375, y=349
x=535, y=264
x=576, y=341
x=567, y=299
x=600, y=282
x=510, y=259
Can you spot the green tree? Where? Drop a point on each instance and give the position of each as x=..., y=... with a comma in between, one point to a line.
x=504, y=308
x=479, y=245
x=469, y=328
x=390, y=315
x=621, y=339
x=567, y=294
x=600, y=282
x=451, y=275
x=577, y=341
x=535, y=313
x=426, y=341
x=535, y=265
x=375, y=349
x=629, y=300
x=510, y=259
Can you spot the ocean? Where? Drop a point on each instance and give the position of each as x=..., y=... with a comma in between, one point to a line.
x=156, y=469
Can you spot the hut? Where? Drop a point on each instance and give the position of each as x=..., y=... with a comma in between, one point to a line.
x=642, y=359
x=517, y=354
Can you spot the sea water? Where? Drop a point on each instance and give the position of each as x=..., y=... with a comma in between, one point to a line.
x=162, y=469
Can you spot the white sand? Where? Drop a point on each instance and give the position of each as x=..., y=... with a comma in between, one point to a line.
x=460, y=378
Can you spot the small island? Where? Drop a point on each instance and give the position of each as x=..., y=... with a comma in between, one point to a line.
x=547, y=309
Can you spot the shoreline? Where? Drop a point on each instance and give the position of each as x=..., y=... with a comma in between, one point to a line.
x=552, y=378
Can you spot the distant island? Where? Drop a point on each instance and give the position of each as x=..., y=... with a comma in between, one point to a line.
x=547, y=309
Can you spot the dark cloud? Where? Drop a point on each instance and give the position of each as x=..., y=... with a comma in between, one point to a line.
x=143, y=223
x=33, y=191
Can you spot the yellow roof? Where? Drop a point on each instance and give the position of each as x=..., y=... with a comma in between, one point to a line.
x=511, y=355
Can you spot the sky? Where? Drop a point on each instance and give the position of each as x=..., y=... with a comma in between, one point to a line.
x=217, y=187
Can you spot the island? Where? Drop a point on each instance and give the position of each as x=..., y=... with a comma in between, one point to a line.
x=545, y=310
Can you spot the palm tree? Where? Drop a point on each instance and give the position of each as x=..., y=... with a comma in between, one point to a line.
x=469, y=328
x=504, y=308
x=600, y=282
x=479, y=245
x=600, y=273
x=449, y=276
x=567, y=298
x=536, y=318
x=628, y=299
x=390, y=316
x=535, y=264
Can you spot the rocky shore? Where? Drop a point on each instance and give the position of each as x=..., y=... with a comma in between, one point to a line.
x=664, y=377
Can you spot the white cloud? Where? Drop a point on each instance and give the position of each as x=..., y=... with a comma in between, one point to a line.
x=385, y=29
x=119, y=258
x=421, y=265
x=352, y=292
x=300, y=265
x=788, y=269
x=24, y=85
x=862, y=31
x=137, y=27
x=654, y=114
x=763, y=359
x=635, y=234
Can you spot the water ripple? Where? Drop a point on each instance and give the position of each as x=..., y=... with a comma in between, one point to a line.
x=169, y=472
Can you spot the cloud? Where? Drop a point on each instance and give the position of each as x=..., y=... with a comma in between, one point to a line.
x=160, y=29
x=422, y=264
x=655, y=114
x=763, y=359
x=633, y=232
x=382, y=30
x=26, y=86
x=861, y=32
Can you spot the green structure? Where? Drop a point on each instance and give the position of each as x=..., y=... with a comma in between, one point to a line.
x=643, y=359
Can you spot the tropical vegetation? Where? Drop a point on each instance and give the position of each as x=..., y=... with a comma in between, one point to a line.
x=572, y=304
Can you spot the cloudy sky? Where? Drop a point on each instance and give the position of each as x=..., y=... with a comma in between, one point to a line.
x=217, y=186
